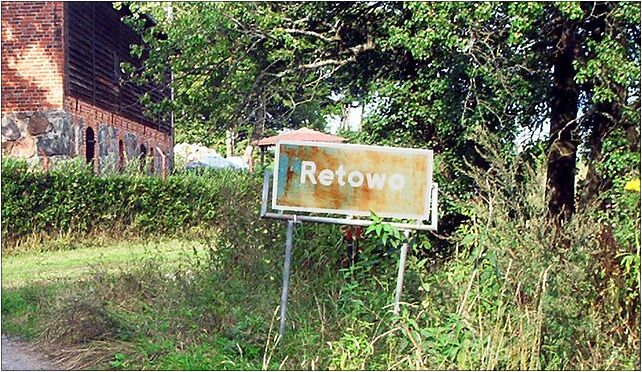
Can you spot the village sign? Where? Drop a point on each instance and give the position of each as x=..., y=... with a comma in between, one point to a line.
x=312, y=178
x=352, y=180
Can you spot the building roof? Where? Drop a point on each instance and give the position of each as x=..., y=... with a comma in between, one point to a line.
x=303, y=134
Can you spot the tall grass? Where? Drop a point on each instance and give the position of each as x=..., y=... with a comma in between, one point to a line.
x=523, y=293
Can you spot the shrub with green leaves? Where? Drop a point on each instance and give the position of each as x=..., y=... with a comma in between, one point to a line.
x=69, y=199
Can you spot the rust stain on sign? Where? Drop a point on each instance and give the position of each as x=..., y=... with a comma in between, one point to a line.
x=352, y=179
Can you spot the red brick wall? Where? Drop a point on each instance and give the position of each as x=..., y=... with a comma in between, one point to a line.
x=33, y=74
x=32, y=56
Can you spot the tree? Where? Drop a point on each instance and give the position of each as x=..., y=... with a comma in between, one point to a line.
x=597, y=55
x=434, y=73
x=562, y=144
x=247, y=67
x=512, y=67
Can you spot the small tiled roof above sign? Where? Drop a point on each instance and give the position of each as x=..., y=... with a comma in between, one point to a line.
x=303, y=134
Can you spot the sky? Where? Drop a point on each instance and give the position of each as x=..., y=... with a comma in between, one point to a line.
x=354, y=120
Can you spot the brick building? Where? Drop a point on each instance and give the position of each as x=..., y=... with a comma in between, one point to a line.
x=62, y=94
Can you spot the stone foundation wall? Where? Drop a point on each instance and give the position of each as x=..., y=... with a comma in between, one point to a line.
x=33, y=135
x=60, y=135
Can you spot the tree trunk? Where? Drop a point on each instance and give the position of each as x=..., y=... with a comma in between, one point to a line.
x=562, y=153
x=345, y=117
x=256, y=134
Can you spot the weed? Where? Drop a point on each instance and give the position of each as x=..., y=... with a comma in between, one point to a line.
x=119, y=362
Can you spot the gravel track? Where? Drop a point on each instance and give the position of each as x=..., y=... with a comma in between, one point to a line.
x=19, y=356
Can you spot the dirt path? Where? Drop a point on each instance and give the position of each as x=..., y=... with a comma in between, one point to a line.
x=19, y=356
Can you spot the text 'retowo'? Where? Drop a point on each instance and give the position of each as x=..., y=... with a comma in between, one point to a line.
x=355, y=178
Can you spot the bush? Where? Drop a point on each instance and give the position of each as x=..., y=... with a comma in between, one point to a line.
x=70, y=200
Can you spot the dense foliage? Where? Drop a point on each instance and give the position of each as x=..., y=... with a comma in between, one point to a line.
x=561, y=75
x=71, y=200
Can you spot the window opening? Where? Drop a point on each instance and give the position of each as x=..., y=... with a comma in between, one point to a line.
x=142, y=157
x=89, y=146
x=121, y=156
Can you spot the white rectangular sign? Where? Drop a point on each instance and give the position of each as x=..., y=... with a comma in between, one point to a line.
x=352, y=179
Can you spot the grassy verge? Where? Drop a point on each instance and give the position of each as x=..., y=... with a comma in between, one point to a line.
x=180, y=305
x=30, y=268
x=31, y=280
x=216, y=310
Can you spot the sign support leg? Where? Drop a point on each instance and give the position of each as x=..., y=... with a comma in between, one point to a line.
x=286, y=276
x=402, y=269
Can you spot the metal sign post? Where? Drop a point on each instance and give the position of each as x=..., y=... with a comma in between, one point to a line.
x=402, y=270
x=286, y=275
x=351, y=180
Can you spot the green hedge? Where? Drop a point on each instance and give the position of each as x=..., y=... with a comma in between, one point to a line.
x=70, y=199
